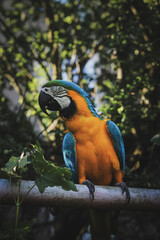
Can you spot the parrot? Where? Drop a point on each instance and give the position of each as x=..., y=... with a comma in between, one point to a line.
x=93, y=148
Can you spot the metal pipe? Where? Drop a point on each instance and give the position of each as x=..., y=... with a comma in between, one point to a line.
x=105, y=197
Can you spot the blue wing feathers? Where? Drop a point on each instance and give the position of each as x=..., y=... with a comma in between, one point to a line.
x=117, y=142
x=69, y=155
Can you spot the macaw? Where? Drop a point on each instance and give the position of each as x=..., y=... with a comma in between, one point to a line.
x=93, y=148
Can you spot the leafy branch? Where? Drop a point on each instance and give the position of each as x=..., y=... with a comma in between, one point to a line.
x=47, y=174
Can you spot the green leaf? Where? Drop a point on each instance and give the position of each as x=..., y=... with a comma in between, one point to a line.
x=49, y=174
x=111, y=25
x=54, y=179
x=23, y=162
x=12, y=163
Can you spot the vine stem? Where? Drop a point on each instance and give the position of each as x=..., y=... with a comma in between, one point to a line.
x=27, y=194
x=18, y=203
x=17, y=208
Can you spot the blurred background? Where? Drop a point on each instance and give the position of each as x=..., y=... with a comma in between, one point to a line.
x=112, y=50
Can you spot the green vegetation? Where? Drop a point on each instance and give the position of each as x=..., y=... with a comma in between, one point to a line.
x=47, y=174
x=44, y=40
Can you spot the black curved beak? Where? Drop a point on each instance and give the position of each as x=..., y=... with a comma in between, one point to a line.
x=48, y=102
x=43, y=101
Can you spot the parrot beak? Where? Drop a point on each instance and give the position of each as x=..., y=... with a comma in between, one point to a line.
x=48, y=102
x=43, y=101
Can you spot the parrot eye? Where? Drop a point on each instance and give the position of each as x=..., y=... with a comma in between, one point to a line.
x=45, y=89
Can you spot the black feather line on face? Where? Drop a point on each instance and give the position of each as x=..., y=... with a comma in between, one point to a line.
x=69, y=111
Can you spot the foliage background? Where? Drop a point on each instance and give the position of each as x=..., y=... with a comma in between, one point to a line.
x=111, y=49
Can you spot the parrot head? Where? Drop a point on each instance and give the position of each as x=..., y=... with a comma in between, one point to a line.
x=66, y=97
x=54, y=98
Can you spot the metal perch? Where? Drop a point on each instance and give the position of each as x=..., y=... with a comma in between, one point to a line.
x=105, y=197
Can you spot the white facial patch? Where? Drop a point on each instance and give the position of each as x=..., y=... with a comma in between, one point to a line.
x=60, y=94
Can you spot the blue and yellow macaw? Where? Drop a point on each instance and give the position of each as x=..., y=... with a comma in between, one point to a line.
x=93, y=148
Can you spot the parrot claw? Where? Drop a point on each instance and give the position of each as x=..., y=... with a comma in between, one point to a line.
x=91, y=188
x=125, y=189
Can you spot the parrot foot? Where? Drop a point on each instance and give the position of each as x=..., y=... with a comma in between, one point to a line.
x=91, y=188
x=125, y=189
